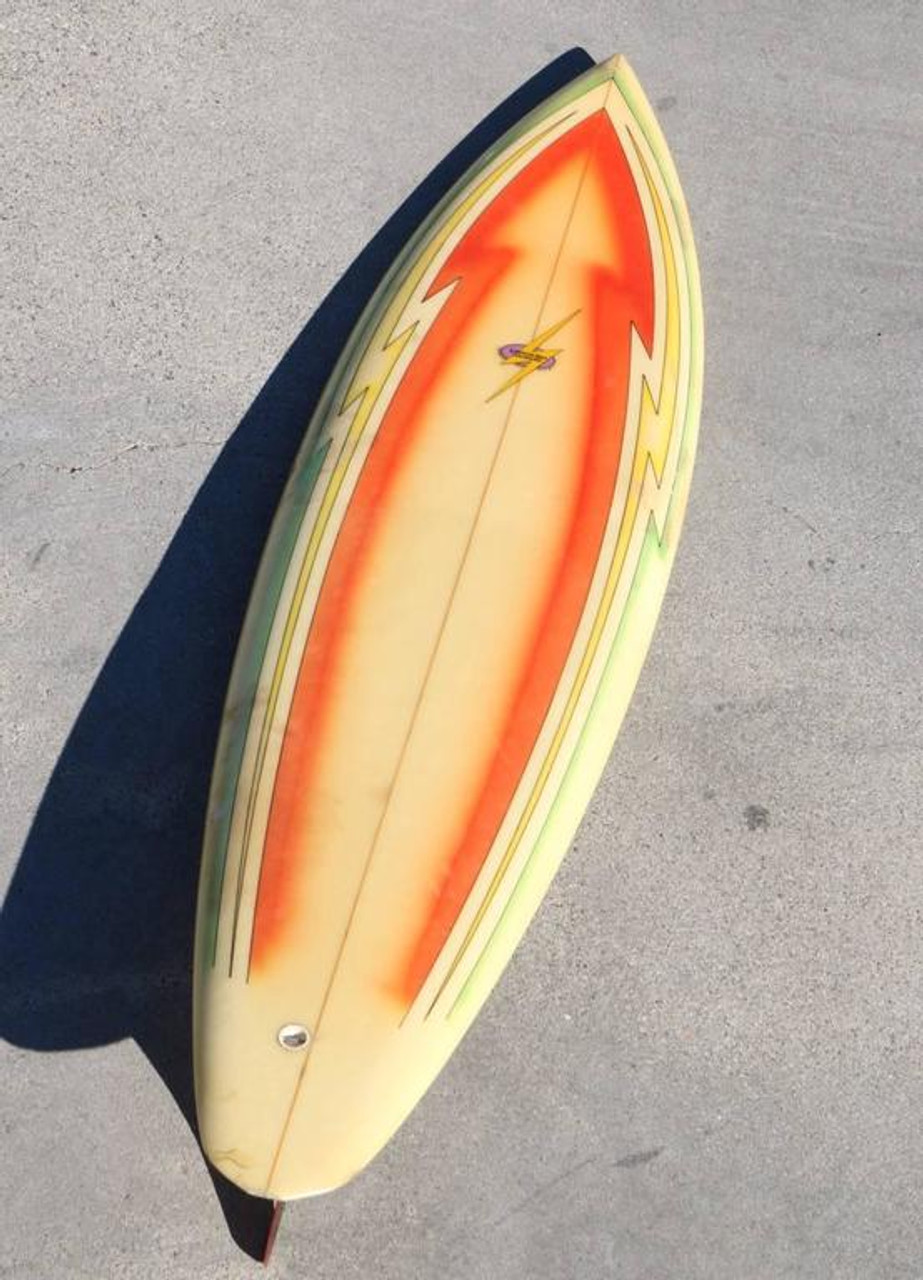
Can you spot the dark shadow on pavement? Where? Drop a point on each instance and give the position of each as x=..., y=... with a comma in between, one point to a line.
x=96, y=930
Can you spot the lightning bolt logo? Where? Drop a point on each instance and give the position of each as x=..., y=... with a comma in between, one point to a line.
x=529, y=356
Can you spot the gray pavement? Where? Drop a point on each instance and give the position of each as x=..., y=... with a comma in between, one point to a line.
x=705, y=1061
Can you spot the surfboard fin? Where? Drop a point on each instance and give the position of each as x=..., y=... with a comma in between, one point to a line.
x=277, y=1208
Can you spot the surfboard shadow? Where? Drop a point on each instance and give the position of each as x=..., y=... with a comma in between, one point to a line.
x=96, y=929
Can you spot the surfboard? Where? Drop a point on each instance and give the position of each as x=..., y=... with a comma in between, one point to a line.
x=449, y=620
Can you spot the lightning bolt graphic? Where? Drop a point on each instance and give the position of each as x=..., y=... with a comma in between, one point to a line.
x=661, y=411
x=533, y=355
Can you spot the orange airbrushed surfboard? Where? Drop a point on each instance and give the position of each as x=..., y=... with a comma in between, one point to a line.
x=448, y=623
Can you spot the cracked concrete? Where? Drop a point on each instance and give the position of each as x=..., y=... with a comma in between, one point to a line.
x=705, y=1060
x=73, y=469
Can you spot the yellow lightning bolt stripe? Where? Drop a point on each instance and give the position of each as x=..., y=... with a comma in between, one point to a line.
x=657, y=420
x=657, y=434
x=366, y=390
x=532, y=355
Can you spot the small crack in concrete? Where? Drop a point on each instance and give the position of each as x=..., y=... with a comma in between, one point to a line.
x=39, y=464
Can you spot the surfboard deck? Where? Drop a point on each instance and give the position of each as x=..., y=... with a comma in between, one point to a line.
x=449, y=619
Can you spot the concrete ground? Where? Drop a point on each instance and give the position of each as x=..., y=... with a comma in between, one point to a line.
x=705, y=1061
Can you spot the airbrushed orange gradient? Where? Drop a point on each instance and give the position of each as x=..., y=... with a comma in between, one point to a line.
x=616, y=297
